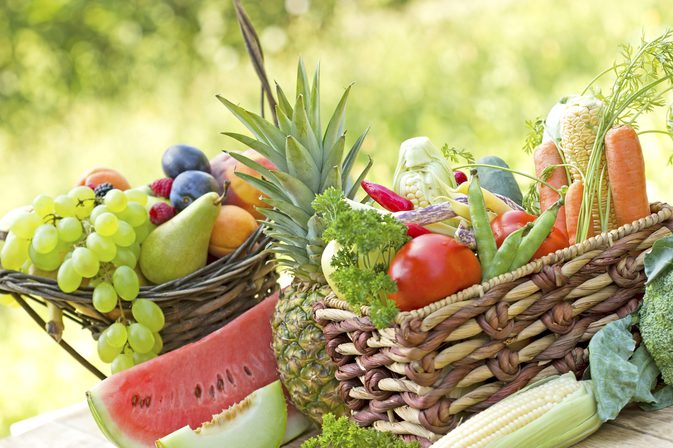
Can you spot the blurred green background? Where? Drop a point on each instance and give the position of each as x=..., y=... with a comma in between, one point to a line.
x=86, y=83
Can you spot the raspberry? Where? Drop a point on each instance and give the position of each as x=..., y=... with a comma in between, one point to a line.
x=162, y=187
x=161, y=212
x=102, y=189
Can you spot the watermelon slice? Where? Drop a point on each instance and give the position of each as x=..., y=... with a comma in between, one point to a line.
x=187, y=386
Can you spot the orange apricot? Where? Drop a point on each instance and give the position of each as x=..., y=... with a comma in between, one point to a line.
x=98, y=176
x=232, y=227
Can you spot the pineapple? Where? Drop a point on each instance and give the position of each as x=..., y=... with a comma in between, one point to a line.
x=308, y=163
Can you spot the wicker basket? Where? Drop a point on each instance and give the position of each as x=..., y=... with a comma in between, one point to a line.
x=194, y=306
x=464, y=353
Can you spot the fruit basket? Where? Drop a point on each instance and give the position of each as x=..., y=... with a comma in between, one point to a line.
x=455, y=357
x=194, y=305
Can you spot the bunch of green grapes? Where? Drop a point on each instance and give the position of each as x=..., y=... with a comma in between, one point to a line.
x=84, y=239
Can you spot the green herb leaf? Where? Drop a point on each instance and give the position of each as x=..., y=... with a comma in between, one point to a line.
x=455, y=154
x=343, y=433
x=660, y=259
x=534, y=136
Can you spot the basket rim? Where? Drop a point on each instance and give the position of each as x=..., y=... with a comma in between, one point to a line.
x=253, y=250
x=660, y=212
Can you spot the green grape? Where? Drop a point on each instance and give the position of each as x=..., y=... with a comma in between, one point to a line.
x=49, y=261
x=141, y=338
x=104, y=248
x=67, y=278
x=125, y=235
x=14, y=252
x=149, y=314
x=135, y=214
x=125, y=257
x=135, y=248
x=115, y=200
x=158, y=344
x=45, y=238
x=43, y=205
x=123, y=361
x=106, y=351
x=116, y=334
x=136, y=195
x=25, y=224
x=106, y=224
x=139, y=358
x=69, y=229
x=85, y=262
x=82, y=193
x=64, y=205
x=104, y=297
x=126, y=283
x=83, y=210
x=97, y=211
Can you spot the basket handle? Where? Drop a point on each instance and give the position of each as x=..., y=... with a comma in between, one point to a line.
x=254, y=48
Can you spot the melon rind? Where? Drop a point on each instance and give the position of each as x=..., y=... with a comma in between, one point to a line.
x=258, y=421
x=107, y=424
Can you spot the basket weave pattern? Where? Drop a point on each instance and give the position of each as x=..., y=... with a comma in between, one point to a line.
x=464, y=353
x=194, y=305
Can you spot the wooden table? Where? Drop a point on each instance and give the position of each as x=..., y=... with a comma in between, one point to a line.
x=73, y=427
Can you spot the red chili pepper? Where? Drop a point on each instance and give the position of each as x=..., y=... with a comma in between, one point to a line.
x=386, y=197
x=414, y=230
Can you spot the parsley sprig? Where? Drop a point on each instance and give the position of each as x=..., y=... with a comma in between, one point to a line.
x=367, y=242
x=343, y=433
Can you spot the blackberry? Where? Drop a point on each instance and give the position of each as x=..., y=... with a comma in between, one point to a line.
x=102, y=190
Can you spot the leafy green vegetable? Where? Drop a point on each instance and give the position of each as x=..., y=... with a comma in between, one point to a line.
x=534, y=136
x=455, y=154
x=660, y=258
x=647, y=375
x=368, y=241
x=663, y=398
x=656, y=322
x=343, y=433
x=615, y=379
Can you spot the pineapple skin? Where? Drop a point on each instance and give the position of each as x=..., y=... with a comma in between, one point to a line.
x=305, y=368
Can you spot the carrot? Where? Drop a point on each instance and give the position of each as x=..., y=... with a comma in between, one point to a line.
x=573, y=204
x=626, y=170
x=546, y=155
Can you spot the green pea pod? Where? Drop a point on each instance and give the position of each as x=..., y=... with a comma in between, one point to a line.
x=486, y=247
x=505, y=256
x=542, y=227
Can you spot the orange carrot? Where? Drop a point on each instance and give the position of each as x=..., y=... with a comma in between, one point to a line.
x=546, y=155
x=573, y=204
x=626, y=170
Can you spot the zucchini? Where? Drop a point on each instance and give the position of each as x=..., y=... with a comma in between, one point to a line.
x=499, y=181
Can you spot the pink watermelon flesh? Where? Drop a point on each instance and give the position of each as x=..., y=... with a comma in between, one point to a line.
x=188, y=386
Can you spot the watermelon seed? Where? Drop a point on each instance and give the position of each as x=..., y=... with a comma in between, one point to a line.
x=247, y=370
x=134, y=400
x=220, y=382
x=211, y=392
x=229, y=377
x=197, y=391
x=147, y=401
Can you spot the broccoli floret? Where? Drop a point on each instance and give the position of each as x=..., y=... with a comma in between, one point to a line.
x=656, y=323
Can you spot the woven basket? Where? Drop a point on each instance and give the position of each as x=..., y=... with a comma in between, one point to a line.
x=194, y=306
x=458, y=356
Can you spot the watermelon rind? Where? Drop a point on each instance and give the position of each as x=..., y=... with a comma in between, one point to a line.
x=107, y=424
x=258, y=421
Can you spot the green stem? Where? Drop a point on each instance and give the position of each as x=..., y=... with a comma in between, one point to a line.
x=509, y=170
x=598, y=76
x=656, y=131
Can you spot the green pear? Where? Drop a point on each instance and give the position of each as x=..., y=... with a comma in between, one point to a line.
x=180, y=246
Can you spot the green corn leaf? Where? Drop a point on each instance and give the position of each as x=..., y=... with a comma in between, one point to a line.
x=281, y=218
x=283, y=103
x=314, y=106
x=284, y=123
x=265, y=186
x=333, y=157
x=261, y=128
x=356, y=185
x=301, y=129
x=333, y=179
x=335, y=128
x=265, y=150
x=300, y=163
x=351, y=157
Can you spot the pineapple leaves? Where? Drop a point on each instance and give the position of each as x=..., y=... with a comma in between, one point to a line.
x=261, y=169
x=334, y=156
x=283, y=103
x=265, y=150
x=303, y=86
x=354, y=188
x=296, y=213
x=295, y=189
x=266, y=187
x=261, y=128
x=282, y=219
x=350, y=158
x=333, y=179
x=284, y=123
x=313, y=110
x=335, y=127
x=300, y=163
x=301, y=130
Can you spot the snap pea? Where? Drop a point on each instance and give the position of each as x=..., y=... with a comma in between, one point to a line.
x=505, y=256
x=542, y=227
x=486, y=247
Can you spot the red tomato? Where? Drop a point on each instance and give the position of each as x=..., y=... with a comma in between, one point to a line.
x=431, y=267
x=513, y=220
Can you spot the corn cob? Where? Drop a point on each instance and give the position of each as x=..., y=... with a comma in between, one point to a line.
x=578, y=128
x=553, y=413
